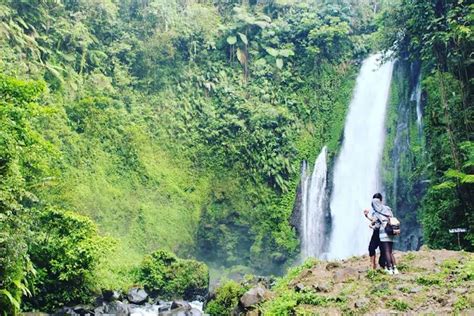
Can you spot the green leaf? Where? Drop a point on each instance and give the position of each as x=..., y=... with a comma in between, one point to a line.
x=10, y=297
x=468, y=178
x=454, y=174
x=279, y=63
x=231, y=40
x=243, y=38
x=444, y=185
x=266, y=18
x=272, y=51
x=241, y=56
x=261, y=24
x=286, y=52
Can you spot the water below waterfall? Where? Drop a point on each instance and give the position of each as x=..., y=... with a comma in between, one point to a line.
x=357, y=170
x=313, y=189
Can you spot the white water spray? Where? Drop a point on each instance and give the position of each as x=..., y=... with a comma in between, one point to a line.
x=312, y=207
x=356, y=174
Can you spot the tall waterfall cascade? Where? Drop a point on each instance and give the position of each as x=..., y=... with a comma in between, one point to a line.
x=356, y=174
x=313, y=189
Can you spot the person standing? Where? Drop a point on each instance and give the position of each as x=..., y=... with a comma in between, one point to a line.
x=382, y=213
x=374, y=240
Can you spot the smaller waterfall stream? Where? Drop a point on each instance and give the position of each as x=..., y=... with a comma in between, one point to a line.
x=416, y=96
x=313, y=187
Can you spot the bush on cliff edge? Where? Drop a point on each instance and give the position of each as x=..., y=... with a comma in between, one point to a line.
x=171, y=277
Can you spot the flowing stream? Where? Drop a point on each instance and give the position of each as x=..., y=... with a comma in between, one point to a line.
x=357, y=170
x=313, y=187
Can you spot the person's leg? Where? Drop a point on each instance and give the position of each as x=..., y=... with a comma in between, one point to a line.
x=382, y=261
x=391, y=254
x=385, y=246
x=374, y=243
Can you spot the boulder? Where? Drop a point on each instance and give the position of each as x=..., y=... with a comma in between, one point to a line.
x=137, y=296
x=345, y=275
x=116, y=308
x=66, y=311
x=254, y=296
x=164, y=306
x=299, y=287
x=110, y=296
x=83, y=309
x=323, y=287
x=180, y=304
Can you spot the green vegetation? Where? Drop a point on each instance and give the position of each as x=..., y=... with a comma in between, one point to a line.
x=398, y=305
x=131, y=126
x=23, y=157
x=404, y=159
x=226, y=298
x=172, y=125
x=65, y=252
x=170, y=277
x=438, y=33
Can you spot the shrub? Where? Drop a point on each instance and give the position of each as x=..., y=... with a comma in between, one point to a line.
x=226, y=298
x=65, y=252
x=171, y=277
x=23, y=156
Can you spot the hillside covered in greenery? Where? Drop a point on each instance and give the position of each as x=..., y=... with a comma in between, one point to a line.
x=136, y=125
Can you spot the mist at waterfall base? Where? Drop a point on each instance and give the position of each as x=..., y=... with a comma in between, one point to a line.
x=356, y=175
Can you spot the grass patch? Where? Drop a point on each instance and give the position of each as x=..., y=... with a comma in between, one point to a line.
x=403, y=267
x=377, y=276
x=398, y=305
x=380, y=290
x=431, y=279
x=292, y=273
x=462, y=303
x=409, y=256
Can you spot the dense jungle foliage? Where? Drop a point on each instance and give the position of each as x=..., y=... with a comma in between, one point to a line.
x=177, y=125
x=136, y=125
x=440, y=35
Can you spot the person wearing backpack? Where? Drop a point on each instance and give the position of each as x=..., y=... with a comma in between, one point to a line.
x=388, y=230
x=375, y=242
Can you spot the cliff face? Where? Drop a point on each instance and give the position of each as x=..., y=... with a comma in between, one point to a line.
x=404, y=155
x=430, y=282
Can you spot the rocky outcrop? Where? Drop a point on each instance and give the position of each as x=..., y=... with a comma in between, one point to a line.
x=137, y=296
x=136, y=302
x=434, y=282
x=254, y=296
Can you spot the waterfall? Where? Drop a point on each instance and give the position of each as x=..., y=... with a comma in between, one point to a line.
x=416, y=96
x=313, y=188
x=356, y=175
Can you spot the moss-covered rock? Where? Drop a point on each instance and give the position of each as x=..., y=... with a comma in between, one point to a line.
x=171, y=277
x=225, y=299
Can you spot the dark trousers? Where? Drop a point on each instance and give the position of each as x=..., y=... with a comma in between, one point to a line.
x=374, y=244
